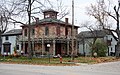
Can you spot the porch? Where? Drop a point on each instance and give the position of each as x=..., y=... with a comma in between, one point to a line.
x=57, y=46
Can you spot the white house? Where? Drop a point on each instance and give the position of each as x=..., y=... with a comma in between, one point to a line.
x=10, y=41
x=86, y=37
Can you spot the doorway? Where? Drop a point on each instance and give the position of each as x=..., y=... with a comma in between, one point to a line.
x=58, y=48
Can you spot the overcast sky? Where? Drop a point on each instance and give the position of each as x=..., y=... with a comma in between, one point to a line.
x=79, y=10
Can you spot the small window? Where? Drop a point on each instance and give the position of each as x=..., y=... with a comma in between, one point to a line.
x=6, y=38
x=25, y=32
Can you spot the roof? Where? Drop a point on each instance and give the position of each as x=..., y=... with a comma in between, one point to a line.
x=92, y=34
x=13, y=32
x=49, y=10
x=49, y=20
x=6, y=43
x=52, y=20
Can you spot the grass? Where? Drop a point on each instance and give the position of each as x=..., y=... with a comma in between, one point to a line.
x=56, y=61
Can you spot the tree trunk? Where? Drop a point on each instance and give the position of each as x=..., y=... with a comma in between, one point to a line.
x=117, y=52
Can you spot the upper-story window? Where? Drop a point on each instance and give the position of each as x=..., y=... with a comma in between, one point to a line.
x=33, y=31
x=58, y=30
x=6, y=38
x=25, y=32
x=46, y=31
x=66, y=31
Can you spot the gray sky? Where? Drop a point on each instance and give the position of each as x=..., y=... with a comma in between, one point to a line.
x=79, y=10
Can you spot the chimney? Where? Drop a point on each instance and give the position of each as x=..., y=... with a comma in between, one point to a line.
x=66, y=20
x=37, y=20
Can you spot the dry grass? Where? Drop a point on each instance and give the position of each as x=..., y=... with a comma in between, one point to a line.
x=56, y=61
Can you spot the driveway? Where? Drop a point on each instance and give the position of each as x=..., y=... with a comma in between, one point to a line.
x=111, y=68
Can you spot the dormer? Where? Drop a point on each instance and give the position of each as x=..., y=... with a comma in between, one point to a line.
x=50, y=13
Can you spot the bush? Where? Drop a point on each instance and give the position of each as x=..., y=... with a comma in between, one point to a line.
x=100, y=48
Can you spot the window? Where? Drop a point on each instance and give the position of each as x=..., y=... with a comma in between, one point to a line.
x=111, y=39
x=46, y=31
x=6, y=38
x=58, y=30
x=17, y=47
x=111, y=49
x=25, y=32
x=66, y=31
x=33, y=31
x=47, y=16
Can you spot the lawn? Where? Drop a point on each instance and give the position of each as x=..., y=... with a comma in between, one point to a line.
x=56, y=61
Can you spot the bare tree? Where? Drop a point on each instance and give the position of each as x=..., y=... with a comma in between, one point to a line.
x=98, y=12
x=102, y=15
x=116, y=18
x=93, y=31
x=25, y=10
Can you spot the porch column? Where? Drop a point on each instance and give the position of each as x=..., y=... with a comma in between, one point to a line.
x=33, y=47
x=68, y=47
x=76, y=48
x=43, y=49
x=23, y=47
x=53, y=47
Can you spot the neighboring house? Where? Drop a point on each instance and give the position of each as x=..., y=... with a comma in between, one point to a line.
x=86, y=37
x=0, y=45
x=10, y=41
x=49, y=35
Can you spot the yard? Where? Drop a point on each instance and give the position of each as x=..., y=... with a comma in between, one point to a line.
x=66, y=61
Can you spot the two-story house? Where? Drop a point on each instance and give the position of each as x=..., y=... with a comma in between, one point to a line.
x=87, y=37
x=10, y=41
x=49, y=35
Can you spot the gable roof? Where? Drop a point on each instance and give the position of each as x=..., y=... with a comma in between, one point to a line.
x=92, y=34
x=13, y=32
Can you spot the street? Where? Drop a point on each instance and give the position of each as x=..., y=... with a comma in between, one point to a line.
x=112, y=68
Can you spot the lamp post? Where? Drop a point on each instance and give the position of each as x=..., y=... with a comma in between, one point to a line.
x=48, y=46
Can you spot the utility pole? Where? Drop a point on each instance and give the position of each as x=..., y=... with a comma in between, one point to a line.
x=29, y=29
x=72, y=54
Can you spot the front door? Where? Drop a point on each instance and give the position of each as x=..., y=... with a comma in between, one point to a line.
x=58, y=48
x=7, y=48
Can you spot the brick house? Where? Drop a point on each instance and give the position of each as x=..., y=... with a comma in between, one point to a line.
x=49, y=35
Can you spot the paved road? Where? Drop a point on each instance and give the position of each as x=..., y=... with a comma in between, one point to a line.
x=112, y=68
